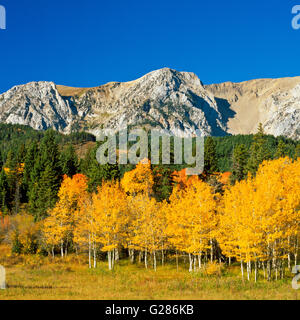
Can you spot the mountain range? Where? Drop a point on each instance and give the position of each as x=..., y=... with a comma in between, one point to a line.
x=162, y=99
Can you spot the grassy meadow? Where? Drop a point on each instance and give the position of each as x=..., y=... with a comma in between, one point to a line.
x=42, y=278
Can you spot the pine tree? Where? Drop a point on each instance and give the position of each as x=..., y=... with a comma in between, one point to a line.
x=210, y=156
x=259, y=151
x=239, y=166
x=69, y=161
x=46, y=177
x=163, y=182
x=29, y=162
x=47, y=192
x=14, y=171
x=98, y=173
x=297, y=151
x=4, y=192
x=281, y=150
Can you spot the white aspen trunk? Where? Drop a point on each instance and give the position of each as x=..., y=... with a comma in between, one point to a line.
x=264, y=269
x=248, y=271
x=211, y=251
x=52, y=252
x=154, y=260
x=162, y=256
x=131, y=255
x=66, y=249
x=296, y=252
x=199, y=260
x=269, y=266
x=62, y=248
x=274, y=262
x=109, y=260
x=117, y=256
x=191, y=263
x=90, y=262
x=195, y=268
x=255, y=270
x=282, y=268
x=113, y=259
x=177, y=260
x=242, y=269
x=229, y=261
x=289, y=255
x=146, y=262
x=95, y=255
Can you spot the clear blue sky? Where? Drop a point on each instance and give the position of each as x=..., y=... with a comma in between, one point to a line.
x=91, y=42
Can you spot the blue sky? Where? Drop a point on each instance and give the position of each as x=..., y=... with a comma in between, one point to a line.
x=91, y=42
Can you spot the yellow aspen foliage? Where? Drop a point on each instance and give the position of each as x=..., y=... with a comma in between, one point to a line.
x=58, y=227
x=147, y=226
x=139, y=180
x=192, y=219
x=85, y=227
x=109, y=211
x=260, y=218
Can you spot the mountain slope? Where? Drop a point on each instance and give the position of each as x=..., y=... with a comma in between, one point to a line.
x=164, y=99
x=37, y=104
x=273, y=102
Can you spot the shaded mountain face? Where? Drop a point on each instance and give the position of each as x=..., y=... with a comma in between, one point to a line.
x=273, y=102
x=37, y=104
x=162, y=99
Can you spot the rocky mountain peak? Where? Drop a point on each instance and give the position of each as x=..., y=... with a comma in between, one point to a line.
x=162, y=99
x=37, y=104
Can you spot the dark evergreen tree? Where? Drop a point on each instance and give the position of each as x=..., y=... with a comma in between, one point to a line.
x=47, y=189
x=297, y=151
x=69, y=161
x=1, y=159
x=239, y=163
x=210, y=156
x=4, y=193
x=97, y=172
x=259, y=151
x=13, y=178
x=281, y=150
x=163, y=182
x=29, y=166
x=45, y=177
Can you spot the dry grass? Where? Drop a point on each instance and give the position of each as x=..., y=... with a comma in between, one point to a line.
x=41, y=278
x=82, y=149
x=71, y=91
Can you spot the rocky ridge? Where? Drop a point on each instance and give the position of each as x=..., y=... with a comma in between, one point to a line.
x=162, y=99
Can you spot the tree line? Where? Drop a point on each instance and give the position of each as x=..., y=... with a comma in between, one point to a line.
x=39, y=174
x=254, y=222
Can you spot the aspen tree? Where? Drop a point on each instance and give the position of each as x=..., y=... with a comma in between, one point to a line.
x=111, y=218
x=191, y=220
x=59, y=226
